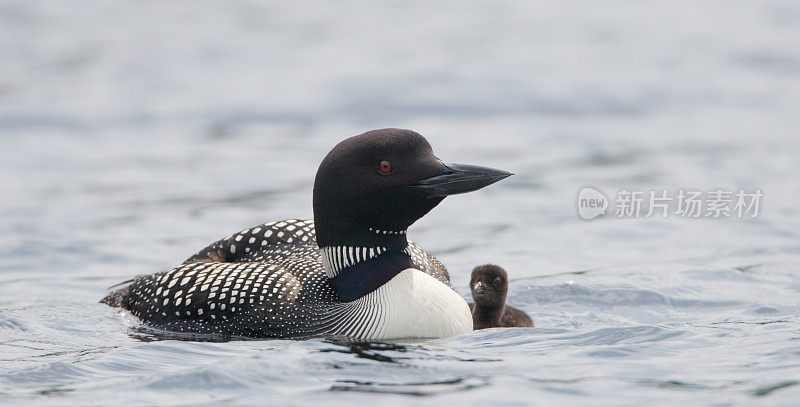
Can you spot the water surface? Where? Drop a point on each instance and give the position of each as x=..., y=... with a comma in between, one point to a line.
x=135, y=134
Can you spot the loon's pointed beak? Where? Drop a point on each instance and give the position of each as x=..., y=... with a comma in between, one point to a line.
x=479, y=289
x=459, y=179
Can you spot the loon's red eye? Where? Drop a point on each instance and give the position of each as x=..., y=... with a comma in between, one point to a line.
x=385, y=167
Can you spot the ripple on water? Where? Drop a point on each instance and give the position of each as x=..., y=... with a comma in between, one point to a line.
x=612, y=297
x=9, y=323
x=426, y=388
x=576, y=293
x=766, y=390
x=613, y=336
x=210, y=378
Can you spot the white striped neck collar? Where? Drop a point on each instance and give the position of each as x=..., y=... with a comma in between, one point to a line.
x=357, y=271
x=337, y=258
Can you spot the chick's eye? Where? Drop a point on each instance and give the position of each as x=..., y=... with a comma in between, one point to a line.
x=385, y=167
x=497, y=281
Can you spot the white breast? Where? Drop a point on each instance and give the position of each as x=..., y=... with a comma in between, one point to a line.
x=411, y=305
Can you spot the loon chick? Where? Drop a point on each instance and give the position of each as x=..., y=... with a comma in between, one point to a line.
x=489, y=285
x=350, y=272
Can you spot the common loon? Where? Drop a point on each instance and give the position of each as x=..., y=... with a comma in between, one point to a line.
x=350, y=272
x=489, y=285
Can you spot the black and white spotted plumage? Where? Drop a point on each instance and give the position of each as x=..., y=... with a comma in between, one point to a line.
x=265, y=281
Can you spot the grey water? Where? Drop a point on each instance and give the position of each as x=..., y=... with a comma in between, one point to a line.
x=135, y=133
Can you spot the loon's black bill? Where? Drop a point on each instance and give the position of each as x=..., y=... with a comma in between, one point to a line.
x=459, y=179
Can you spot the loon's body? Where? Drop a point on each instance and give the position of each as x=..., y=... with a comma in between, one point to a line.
x=270, y=281
x=351, y=272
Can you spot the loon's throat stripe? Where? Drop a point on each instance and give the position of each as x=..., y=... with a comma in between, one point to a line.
x=362, y=278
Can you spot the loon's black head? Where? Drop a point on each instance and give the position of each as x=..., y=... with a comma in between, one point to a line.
x=489, y=285
x=370, y=188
